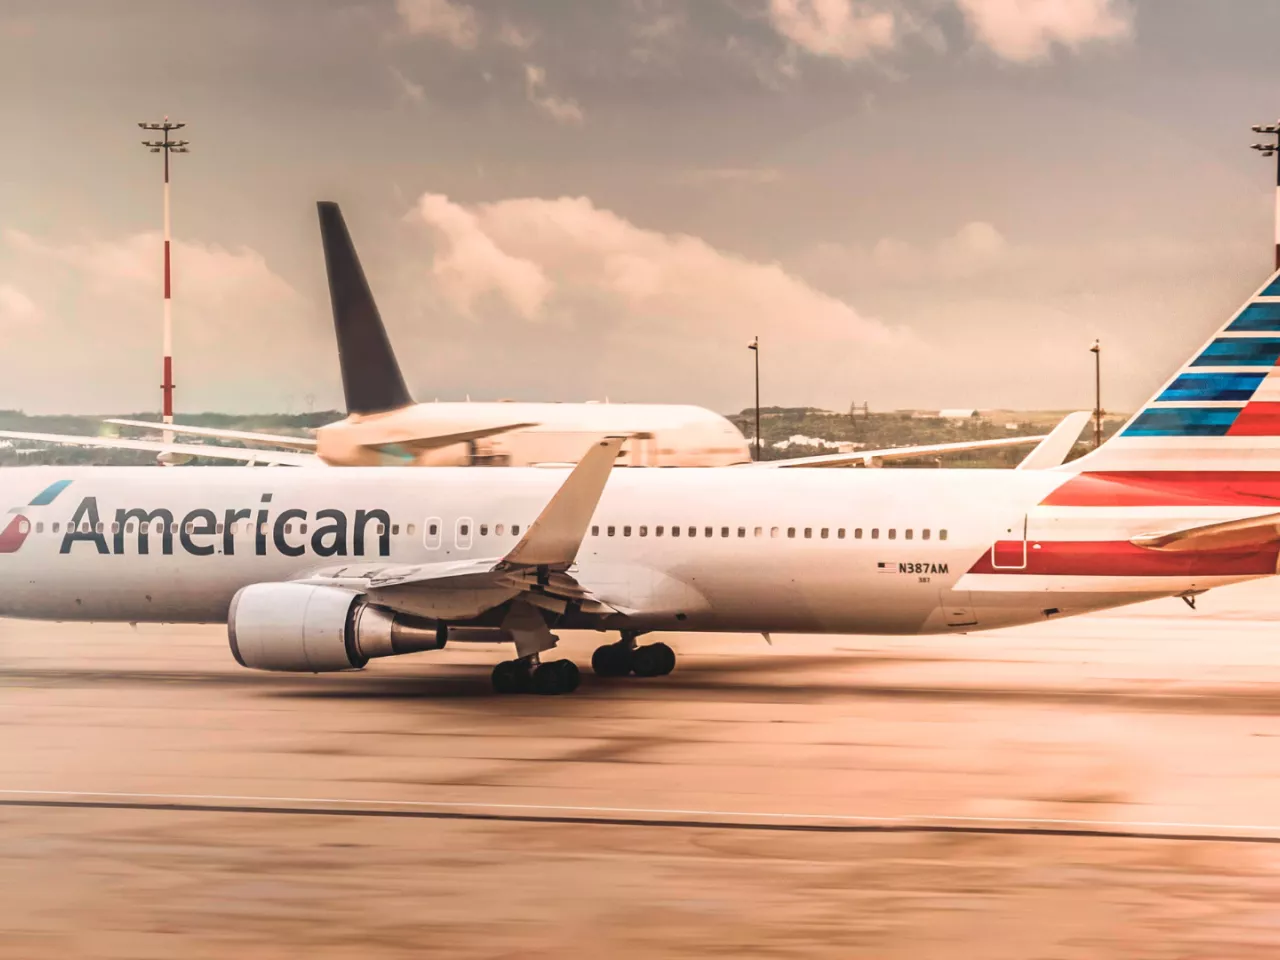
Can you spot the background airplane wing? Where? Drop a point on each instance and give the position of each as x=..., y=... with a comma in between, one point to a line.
x=242, y=454
x=1054, y=449
x=869, y=457
x=289, y=443
x=418, y=444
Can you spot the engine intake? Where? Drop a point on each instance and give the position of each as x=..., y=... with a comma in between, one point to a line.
x=303, y=628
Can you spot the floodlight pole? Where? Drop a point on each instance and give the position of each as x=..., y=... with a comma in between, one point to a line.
x=754, y=347
x=1096, y=350
x=166, y=146
x=1272, y=150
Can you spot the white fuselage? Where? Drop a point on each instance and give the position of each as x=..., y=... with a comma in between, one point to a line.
x=659, y=435
x=876, y=551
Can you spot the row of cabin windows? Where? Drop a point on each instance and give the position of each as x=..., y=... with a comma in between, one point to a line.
x=158, y=528
x=464, y=529
x=823, y=533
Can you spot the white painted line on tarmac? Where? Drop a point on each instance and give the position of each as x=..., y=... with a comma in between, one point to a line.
x=563, y=809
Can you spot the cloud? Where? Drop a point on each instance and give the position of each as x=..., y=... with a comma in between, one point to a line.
x=447, y=20
x=235, y=322
x=560, y=109
x=844, y=29
x=16, y=308
x=570, y=259
x=516, y=37
x=411, y=91
x=1026, y=30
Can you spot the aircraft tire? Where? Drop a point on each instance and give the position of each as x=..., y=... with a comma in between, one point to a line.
x=611, y=660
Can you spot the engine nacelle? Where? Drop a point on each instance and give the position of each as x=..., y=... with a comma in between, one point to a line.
x=303, y=628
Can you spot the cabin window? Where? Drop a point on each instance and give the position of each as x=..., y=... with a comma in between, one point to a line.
x=657, y=531
x=808, y=533
x=893, y=533
x=262, y=530
x=395, y=529
x=759, y=531
x=693, y=531
x=515, y=529
x=409, y=529
x=288, y=528
x=644, y=531
x=742, y=531
x=611, y=531
x=924, y=534
x=875, y=533
x=823, y=534
x=774, y=531
x=382, y=530
x=463, y=530
x=840, y=534
x=39, y=528
x=498, y=529
x=709, y=532
x=675, y=531
x=23, y=526
x=217, y=528
x=115, y=528
x=857, y=533
x=484, y=529
x=791, y=531
x=302, y=528
x=595, y=531
x=99, y=527
x=626, y=530
x=942, y=534
x=724, y=531
x=84, y=527
x=55, y=528
x=906, y=534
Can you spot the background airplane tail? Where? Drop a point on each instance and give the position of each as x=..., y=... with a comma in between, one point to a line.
x=371, y=377
x=1220, y=411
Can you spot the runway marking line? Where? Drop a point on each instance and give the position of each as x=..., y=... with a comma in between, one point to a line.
x=643, y=816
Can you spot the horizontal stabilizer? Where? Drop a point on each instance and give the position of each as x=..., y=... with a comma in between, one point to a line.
x=1054, y=449
x=371, y=377
x=1252, y=533
x=420, y=444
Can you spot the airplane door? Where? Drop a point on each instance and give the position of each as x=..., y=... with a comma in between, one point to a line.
x=1010, y=552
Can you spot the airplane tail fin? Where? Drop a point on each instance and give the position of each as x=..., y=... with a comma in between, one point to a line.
x=1220, y=411
x=371, y=377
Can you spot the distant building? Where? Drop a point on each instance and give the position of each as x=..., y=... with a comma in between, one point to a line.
x=968, y=414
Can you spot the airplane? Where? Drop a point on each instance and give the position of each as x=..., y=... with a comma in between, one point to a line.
x=326, y=570
x=385, y=426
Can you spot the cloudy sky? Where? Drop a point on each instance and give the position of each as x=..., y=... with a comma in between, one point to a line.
x=916, y=203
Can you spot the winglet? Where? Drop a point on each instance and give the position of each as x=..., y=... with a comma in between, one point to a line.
x=1054, y=449
x=371, y=378
x=554, y=538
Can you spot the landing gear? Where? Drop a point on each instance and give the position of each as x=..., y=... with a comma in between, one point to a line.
x=528, y=676
x=624, y=658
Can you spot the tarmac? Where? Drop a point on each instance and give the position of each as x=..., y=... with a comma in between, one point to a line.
x=1099, y=787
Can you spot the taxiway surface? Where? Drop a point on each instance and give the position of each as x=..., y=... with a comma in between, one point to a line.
x=1099, y=787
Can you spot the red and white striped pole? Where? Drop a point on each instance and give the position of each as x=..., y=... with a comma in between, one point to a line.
x=167, y=146
x=1272, y=150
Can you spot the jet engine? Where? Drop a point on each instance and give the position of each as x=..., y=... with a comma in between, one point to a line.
x=304, y=628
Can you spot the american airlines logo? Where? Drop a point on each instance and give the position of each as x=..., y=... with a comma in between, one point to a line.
x=15, y=532
x=202, y=532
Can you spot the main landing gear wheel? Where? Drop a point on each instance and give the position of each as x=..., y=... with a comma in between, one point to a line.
x=622, y=659
x=520, y=676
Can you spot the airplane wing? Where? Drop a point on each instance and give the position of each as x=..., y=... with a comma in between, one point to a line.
x=289, y=443
x=870, y=457
x=534, y=570
x=161, y=449
x=1252, y=533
